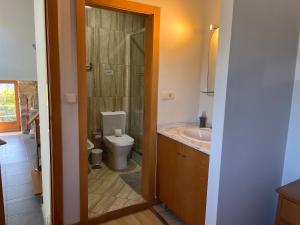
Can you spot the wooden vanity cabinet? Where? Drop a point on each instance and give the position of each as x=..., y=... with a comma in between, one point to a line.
x=182, y=174
x=288, y=210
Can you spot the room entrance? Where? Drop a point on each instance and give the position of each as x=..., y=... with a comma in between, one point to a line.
x=9, y=107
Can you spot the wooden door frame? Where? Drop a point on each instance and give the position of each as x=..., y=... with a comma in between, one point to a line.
x=53, y=73
x=7, y=126
x=152, y=15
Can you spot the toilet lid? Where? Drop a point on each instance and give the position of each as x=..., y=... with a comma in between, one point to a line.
x=120, y=141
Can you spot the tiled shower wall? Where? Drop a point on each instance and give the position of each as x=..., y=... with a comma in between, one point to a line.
x=117, y=72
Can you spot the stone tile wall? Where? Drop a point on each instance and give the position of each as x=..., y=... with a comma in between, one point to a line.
x=116, y=81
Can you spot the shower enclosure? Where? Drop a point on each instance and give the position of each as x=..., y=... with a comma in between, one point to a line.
x=136, y=112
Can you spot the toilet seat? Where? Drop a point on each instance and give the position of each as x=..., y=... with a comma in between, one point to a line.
x=124, y=140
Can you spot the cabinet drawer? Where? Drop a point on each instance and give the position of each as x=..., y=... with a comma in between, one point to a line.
x=290, y=212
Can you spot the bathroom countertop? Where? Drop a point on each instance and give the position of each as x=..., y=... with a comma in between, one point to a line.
x=173, y=131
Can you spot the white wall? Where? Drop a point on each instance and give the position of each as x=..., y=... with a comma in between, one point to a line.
x=41, y=59
x=180, y=58
x=211, y=15
x=219, y=103
x=260, y=79
x=291, y=170
x=180, y=70
x=17, y=56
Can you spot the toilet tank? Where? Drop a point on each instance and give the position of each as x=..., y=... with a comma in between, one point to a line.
x=111, y=121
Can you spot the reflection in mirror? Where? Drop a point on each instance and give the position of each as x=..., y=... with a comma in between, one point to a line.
x=115, y=43
x=212, y=60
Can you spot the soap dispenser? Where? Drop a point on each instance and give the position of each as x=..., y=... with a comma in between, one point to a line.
x=203, y=120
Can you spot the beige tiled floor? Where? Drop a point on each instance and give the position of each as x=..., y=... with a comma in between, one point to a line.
x=109, y=192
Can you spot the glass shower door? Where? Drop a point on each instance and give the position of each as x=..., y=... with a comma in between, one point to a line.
x=137, y=57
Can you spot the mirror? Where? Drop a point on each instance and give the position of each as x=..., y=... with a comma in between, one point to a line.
x=212, y=61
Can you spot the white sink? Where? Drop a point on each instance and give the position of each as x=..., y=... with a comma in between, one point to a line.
x=196, y=134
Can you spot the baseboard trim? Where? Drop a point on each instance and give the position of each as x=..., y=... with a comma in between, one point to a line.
x=47, y=218
x=77, y=224
x=119, y=213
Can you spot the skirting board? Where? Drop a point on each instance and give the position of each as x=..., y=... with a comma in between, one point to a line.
x=47, y=218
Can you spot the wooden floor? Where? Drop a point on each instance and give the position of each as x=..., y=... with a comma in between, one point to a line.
x=141, y=218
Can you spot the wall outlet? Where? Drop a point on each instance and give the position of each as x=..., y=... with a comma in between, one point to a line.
x=168, y=95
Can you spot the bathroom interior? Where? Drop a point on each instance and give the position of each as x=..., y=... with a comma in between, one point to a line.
x=115, y=64
x=115, y=72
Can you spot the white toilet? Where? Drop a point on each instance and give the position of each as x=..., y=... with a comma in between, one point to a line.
x=118, y=147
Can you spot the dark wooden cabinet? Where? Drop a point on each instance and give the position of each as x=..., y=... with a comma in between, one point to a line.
x=2, y=213
x=182, y=179
x=288, y=210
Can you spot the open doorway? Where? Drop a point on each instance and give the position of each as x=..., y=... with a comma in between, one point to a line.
x=115, y=109
x=118, y=71
x=9, y=106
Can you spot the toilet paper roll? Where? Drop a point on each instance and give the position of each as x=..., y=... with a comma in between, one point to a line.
x=118, y=132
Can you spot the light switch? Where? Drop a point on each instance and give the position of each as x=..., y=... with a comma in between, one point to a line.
x=168, y=95
x=71, y=98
